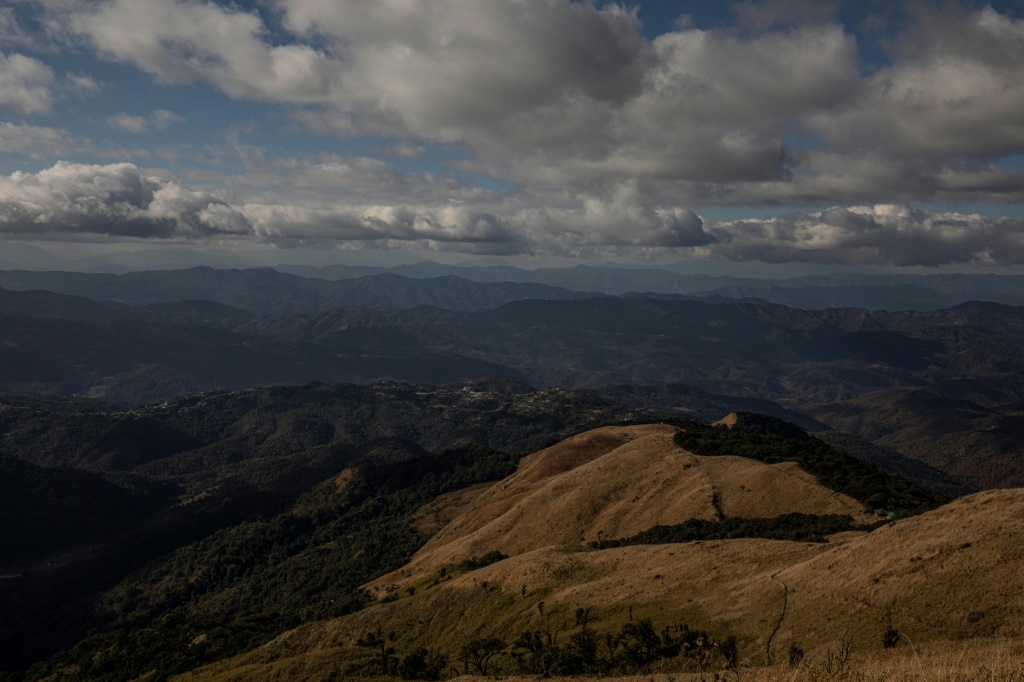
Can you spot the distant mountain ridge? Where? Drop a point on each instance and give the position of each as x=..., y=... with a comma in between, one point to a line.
x=864, y=290
x=296, y=289
x=269, y=292
x=64, y=346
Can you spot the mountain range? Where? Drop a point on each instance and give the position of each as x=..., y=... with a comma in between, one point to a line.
x=467, y=287
x=241, y=474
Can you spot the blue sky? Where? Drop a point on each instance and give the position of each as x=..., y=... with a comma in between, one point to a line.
x=789, y=131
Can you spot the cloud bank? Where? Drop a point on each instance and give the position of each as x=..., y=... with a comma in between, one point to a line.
x=120, y=200
x=595, y=136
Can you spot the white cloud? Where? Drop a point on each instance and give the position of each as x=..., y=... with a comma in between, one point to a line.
x=956, y=89
x=33, y=141
x=116, y=200
x=883, y=234
x=11, y=30
x=158, y=120
x=362, y=223
x=569, y=94
x=186, y=41
x=82, y=83
x=624, y=219
x=26, y=84
x=120, y=200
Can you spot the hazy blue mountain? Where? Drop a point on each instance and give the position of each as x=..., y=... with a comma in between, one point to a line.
x=266, y=291
x=873, y=297
x=878, y=291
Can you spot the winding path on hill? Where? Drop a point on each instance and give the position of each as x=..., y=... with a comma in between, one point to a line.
x=716, y=498
x=782, y=616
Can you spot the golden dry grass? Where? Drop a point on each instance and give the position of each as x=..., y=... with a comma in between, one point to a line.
x=997, y=660
x=437, y=514
x=612, y=483
x=966, y=661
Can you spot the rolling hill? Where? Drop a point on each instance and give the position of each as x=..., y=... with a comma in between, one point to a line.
x=942, y=576
x=613, y=483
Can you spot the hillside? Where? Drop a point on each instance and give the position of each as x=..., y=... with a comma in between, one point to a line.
x=46, y=509
x=272, y=530
x=982, y=445
x=950, y=573
x=613, y=483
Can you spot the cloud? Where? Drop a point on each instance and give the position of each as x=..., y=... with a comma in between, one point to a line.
x=186, y=41
x=365, y=223
x=552, y=93
x=26, y=84
x=883, y=234
x=114, y=200
x=12, y=32
x=956, y=89
x=82, y=83
x=33, y=141
x=120, y=200
x=436, y=69
x=827, y=176
x=160, y=119
x=623, y=219
x=598, y=137
x=713, y=109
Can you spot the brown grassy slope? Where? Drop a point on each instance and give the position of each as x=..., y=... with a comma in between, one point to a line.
x=956, y=572
x=951, y=574
x=669, y=583
x=612, y=483
x=969, y=661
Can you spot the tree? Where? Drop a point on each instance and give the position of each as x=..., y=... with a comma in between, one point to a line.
x=376, y=640
x=585, y=642
x=479, y=653
x=422, y=664
x=640, y=642
x=701, y=652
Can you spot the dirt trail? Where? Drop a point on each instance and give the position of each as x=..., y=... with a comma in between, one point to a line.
x=716, y=498
x=782, y=616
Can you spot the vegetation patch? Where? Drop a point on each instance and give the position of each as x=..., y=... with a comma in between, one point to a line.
x=562, y=648
x=795, y=527
x=244, y=585
x=772, y=441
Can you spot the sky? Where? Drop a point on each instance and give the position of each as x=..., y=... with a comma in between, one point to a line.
x=876, y=133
